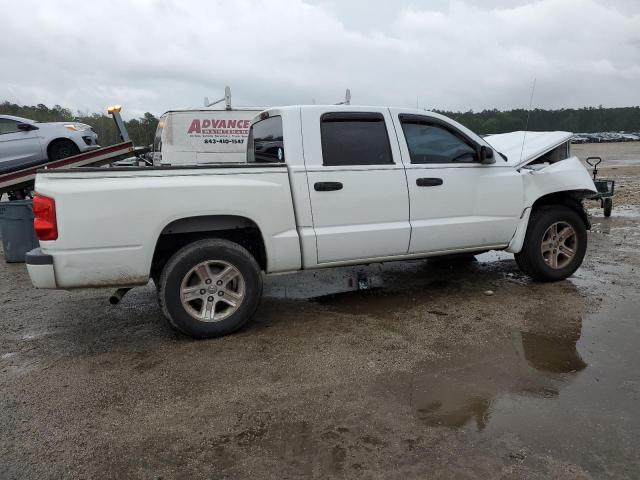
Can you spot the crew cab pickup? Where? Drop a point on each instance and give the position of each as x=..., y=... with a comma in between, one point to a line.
x=323, y=186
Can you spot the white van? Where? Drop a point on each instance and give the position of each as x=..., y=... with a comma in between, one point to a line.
x=203, y=136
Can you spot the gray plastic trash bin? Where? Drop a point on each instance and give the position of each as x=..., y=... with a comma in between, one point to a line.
x=16, y=228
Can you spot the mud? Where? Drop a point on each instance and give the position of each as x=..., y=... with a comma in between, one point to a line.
x=402, y=370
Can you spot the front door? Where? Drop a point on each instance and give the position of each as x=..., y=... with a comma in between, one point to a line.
x=457, y=203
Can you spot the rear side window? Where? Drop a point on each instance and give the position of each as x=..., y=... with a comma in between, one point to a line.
x=353, y=138
x=265, y=142
x=433, y=143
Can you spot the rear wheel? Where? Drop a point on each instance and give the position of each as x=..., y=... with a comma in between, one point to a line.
x=62, y=149
x=210, y=288
x=555, y=244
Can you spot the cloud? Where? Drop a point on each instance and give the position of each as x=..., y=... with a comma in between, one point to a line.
x=157, y=55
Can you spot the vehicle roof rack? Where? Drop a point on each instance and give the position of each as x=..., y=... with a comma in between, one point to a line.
x=347, y=98
x=226, y=99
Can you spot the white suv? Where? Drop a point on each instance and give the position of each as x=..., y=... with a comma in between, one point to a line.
x=24, y=142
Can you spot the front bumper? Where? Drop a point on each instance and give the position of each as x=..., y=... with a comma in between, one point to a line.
x=40, y=268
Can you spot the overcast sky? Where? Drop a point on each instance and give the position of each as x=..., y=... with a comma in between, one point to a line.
x=445, y=54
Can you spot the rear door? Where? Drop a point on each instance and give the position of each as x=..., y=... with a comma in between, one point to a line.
x=18, y=145
x=357, y=184
x=457, y=203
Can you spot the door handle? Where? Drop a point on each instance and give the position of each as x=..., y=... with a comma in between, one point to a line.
x=327, y=186
x=428, y=182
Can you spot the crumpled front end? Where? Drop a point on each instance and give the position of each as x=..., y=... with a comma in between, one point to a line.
x=564, y=176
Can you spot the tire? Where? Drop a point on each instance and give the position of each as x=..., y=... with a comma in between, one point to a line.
x=62, y=149
x=608, y=206
x=541, y=266
x=198, y=268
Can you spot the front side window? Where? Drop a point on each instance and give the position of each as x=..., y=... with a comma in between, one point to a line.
x=8, y=126
x=433, y=143
x=353, y=138
x=265, y=142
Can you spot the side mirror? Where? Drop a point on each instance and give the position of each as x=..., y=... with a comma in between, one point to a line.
x=26, y=127
x=486, y=155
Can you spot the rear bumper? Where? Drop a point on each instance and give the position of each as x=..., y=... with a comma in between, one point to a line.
x=40, y=268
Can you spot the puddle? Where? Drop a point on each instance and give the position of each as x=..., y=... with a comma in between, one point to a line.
x=564, y=384
x=621, y=211
x=626, y=211
x=462, y=389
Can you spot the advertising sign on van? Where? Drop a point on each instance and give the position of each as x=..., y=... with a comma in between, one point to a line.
x=221, y=129
x=205, y=136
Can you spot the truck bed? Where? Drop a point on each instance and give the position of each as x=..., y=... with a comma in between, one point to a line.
x=110, y=220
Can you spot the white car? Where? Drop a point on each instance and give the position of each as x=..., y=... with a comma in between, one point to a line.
x=24, y=142
x=323, y=186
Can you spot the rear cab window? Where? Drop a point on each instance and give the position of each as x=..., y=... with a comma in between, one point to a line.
x=266, y=141
x=354, y=138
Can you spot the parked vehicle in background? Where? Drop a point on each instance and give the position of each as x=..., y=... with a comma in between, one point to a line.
x=600, y=137
x=630, y=137
x=367, y=184
x=202, y=136
x=24, y=141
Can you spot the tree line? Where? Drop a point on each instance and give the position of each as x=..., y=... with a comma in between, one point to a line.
x=577, y=120
x=581, y=120
x=141, y=130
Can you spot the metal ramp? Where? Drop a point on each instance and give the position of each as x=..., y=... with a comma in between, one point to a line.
x=21, y=176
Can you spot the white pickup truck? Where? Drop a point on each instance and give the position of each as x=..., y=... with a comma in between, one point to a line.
x=323, y=186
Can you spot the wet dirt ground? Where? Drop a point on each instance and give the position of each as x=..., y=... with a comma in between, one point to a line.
x=423, y=374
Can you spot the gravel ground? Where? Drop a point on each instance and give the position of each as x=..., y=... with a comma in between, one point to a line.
x=439, y=370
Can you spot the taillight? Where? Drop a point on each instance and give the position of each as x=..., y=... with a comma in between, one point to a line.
x=44, y=218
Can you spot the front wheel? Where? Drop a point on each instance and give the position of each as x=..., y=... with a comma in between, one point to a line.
x=555, y=244
x=210, y=288
x=62, y=149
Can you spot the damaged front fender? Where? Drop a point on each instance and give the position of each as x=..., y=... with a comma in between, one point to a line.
x=564, y=182
x=565, y=176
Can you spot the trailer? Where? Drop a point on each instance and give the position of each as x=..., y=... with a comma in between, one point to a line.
x=17, y=179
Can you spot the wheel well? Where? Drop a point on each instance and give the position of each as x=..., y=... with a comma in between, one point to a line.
x=571, y=199
x=59, y=140
x=179, y=233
